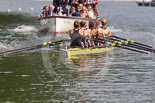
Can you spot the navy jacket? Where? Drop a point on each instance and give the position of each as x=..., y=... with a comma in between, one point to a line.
x=79, y=1
x=76, y=14
x=57, y=3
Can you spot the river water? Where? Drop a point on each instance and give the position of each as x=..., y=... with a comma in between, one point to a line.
x=48, y=76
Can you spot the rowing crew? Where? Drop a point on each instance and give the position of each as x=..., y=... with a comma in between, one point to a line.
x=81, y=36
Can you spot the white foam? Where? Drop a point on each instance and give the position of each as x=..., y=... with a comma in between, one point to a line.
x=114, y=30
x=4, y=47
x=24, y=29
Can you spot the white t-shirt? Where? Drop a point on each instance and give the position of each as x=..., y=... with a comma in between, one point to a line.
x=91, y=13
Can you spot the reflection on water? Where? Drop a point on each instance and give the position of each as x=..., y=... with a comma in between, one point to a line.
x=86, y=71
x=91, y=78
x=90, y=60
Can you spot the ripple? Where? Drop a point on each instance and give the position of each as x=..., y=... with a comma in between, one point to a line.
x=7, y=72
x=25, y=75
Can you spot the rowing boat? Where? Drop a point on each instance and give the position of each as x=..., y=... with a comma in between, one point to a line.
x=72, y=52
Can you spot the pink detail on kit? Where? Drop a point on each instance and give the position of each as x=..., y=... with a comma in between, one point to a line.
x=82, y=44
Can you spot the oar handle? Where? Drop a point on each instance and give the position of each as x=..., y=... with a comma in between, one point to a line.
x=131, y=49
x=134, y=45
x=117, y=45
x=130, y=40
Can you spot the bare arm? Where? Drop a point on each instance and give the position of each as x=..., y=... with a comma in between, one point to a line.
x=71, y=32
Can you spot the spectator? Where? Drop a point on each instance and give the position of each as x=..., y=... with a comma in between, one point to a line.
x=74, y=12
x=74, y=3
x=95, y=9
x=82, y=14
x=60, y=4
x=43, y=14
x=78, y=9
x=81, y=1
x=86, y=12
x=80, y=6
x=50, y=12
x=91, y=12
x=85, y=9
x=89, y=1
x=93, y=3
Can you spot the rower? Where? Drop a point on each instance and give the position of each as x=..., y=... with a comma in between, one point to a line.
x=83, y=27
x=105, y=30
x=99, y=34
x=90, y=33
x=99, y=29
x=75, y=35
x=97, y=23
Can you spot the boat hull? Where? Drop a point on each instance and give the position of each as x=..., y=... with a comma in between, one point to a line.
x=78, y=51
x=59, y=24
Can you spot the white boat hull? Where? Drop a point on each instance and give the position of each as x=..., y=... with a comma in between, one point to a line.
x=59, y=24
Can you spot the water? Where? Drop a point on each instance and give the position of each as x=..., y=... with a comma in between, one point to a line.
x=48, y=76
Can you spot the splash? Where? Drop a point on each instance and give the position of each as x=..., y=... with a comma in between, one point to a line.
x=24, y=29
x=4, y=47
x=113, y=29
x=9, y=45
x=151, y=38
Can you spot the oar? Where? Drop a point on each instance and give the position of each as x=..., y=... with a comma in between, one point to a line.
x=119, y=46
x=45, y=44
x=127, y=43
x=131, y=41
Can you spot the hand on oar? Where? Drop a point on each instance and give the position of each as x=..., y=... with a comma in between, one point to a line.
x=45, y=44
x=119, y=45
